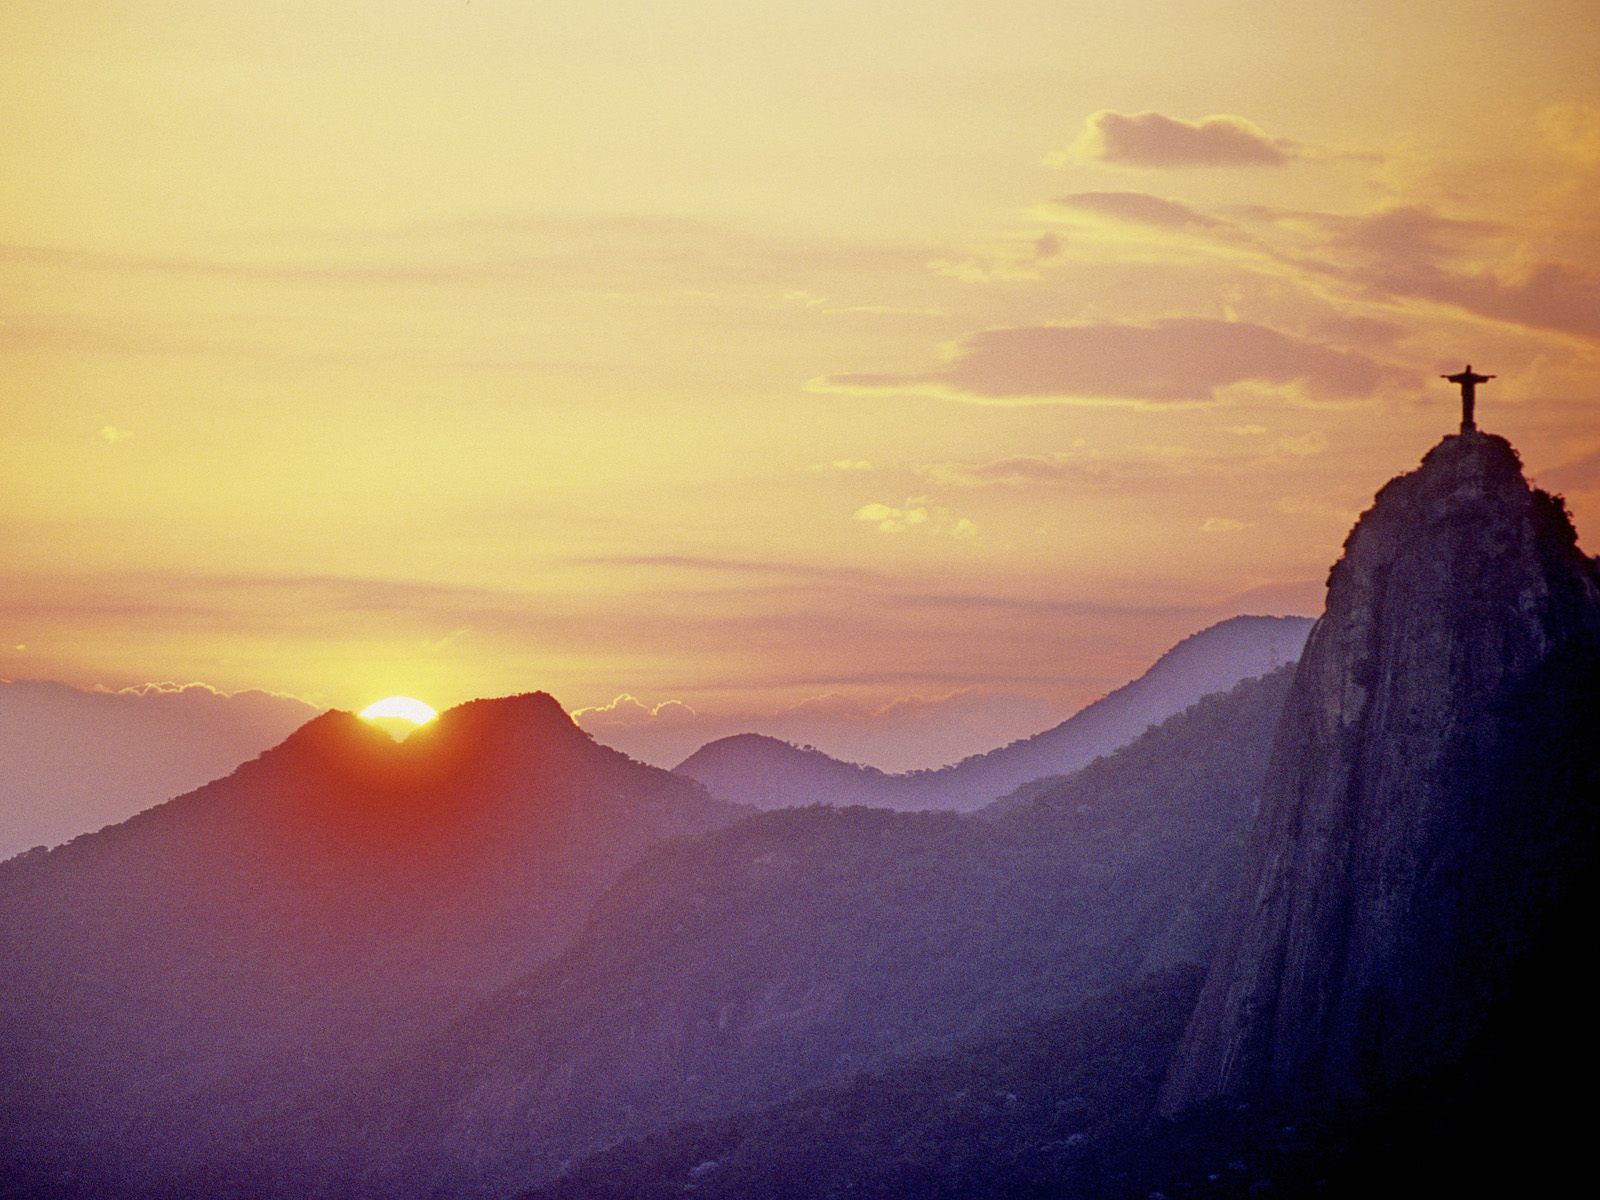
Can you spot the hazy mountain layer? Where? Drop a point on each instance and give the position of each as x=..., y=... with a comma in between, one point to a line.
x=73, y=761
x=796, y=947
x=166, y=981
x=769, y=773
x=1027, y=1114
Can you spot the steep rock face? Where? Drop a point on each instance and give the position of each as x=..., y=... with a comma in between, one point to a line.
x=1427, y=820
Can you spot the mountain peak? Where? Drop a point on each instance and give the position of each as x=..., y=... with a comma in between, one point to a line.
x=333, y=733
x=526, y=714
x=1415, y=831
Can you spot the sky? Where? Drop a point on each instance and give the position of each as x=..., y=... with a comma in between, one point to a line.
x=953, y=358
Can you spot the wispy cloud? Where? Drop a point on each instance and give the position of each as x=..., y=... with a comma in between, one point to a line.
x=1152, y=140
x=1174, y=362
x=1133, y=467
x=1138, y=208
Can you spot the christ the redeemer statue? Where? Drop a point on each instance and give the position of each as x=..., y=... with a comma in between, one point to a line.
x=1469, y=382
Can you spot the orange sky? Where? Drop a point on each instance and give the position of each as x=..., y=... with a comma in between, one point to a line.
x=738, y=356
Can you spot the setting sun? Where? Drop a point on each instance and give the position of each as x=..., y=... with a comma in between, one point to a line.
x=403, y=707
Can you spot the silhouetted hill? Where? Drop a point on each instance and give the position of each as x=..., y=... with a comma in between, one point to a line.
x=73, y=761
x=796, y=947
x=1397, y=983
x=1430, y=808
x=769, y=773
x=165, y=981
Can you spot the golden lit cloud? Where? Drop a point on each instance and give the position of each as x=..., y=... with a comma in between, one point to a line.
x=916, y=513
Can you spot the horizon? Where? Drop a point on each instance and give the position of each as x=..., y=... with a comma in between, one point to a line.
x=436, y=355
x=786, y=602
x=852, y=739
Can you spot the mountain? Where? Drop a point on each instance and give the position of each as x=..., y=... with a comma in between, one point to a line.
x=1418, y=888
x=796, y=947
x=1020, y=1115
x=73, y=761
x=164, y=982
x=769, y=773
x=1396, y=1005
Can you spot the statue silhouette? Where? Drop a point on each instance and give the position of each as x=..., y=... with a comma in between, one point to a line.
x=1469, y=382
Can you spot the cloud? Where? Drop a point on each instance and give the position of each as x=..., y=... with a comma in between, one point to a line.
x=1006, y=261
x=841, y=464
x=1547, y=295
x=916, y=512
x=1149, y=139
x=1030, y=470
x=625, y=711
x=1409, y=233
x=112, y=434
x=1305, y=444
x=1354, y=330
x=1222, y=525
x=1581, y=474
x=892, y=520
x=1572, y=130
x=1414, y=252
x=1177, y=361
x=1084, y=469
x=1137, y=208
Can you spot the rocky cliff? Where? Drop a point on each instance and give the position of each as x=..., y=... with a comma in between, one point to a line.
x=1427, y=825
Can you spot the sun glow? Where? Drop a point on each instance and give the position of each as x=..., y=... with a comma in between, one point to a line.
x=403, y=707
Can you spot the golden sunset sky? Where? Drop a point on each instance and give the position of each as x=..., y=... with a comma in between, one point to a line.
x=751, y=355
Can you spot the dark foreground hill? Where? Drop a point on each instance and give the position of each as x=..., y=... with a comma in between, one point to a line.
x=1430, y=813
x=1031, y=1113
x=797, y=947
x=769, y=773
x=167, y=981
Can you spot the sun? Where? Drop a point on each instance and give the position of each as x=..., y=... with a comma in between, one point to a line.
x=398, y=714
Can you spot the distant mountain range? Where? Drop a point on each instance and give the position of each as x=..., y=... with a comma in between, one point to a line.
x=72, y=761
x=769, y=773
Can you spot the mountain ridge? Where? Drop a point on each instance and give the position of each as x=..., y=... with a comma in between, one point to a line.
x=771, y=773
